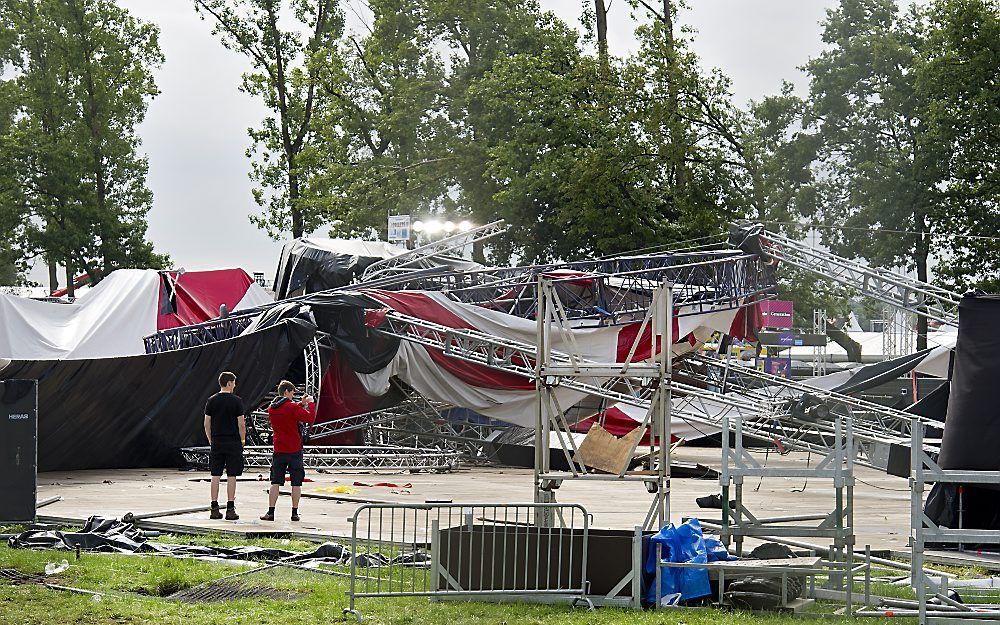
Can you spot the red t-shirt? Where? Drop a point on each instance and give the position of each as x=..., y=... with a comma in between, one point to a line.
x=285, y=420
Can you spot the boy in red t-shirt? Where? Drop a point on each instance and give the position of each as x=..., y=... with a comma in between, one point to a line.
x=285, y=415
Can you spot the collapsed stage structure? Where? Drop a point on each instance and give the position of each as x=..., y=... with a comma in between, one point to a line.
x=418, y=356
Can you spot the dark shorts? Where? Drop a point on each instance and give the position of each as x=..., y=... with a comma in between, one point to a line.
x=287, y=462
x=226, y=454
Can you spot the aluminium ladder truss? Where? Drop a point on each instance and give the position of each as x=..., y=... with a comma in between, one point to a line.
x=348, y=459
x=415, y=257
x=888, y=287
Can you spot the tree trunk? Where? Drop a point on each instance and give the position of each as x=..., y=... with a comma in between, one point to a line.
x=284, y=120
x=922, y=319
x=293, y=200
x=678, y=148
x=53, y=277
x=70, y=287
x=601, y=11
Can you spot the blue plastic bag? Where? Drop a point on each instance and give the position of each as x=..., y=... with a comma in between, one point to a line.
x=683, y=543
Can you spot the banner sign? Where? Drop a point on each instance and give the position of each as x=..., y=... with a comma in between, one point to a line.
x=778, y=366
x=399, y=228
x=776, y=313
x=792, y=339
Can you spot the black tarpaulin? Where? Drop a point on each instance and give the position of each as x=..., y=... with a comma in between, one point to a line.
x=311, y=265
x=972, y=432
x=137, y=411
x=880, y=373
x=972, y=426
x=111, y=535
x=933, y=405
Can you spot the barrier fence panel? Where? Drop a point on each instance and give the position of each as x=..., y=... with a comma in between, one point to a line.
x=491, y=551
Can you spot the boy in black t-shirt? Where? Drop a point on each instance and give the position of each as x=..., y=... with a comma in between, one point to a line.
x=226, y=429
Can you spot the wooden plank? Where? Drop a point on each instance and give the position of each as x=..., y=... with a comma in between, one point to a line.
x=606, y=452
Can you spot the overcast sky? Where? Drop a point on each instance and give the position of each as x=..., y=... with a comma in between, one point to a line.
x=195, y=133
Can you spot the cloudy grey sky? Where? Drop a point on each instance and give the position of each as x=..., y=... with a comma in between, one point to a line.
x=195, y=133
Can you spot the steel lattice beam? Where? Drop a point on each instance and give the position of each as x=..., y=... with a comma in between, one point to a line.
x=762, y=417
x=447, y=245
x=345, y=458
x=888, y=287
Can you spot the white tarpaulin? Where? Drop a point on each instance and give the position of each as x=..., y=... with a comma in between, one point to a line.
x=111, y=319
x=108, y=320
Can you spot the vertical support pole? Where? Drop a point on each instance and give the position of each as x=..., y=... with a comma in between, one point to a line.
x=724, y=482
x=637, y=568
x=658, y=592
x=738, y=481
x=664, y=403
x=849, y=534
x=435, y=556
x=541, y=415
x=916, y=518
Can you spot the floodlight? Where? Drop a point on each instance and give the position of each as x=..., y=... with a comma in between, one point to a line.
x=449, y=226
x=418, y=226
x=465, y=225
x=433, y=226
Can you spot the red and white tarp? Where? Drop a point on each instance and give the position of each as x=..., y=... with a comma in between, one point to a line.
x=112, y=318
x=508, y=396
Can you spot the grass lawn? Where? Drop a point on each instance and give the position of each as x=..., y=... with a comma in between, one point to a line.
x=147, y=578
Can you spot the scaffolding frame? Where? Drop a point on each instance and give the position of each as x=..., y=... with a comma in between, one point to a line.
x=925, y=470
x=552, y=370
x=837, y=465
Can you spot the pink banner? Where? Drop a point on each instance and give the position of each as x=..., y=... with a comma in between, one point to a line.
x=777, y=313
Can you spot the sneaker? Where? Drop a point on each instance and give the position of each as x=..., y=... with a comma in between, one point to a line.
x=216, y=513
x=231, y=514
x=267, y=516
x=295, y=516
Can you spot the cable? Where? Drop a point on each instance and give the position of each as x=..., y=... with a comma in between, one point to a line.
x=664, y=246
x=806, y=483
x=895, y=490
x=887, y=230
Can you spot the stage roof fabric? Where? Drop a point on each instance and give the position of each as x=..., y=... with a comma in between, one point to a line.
x=111, y=319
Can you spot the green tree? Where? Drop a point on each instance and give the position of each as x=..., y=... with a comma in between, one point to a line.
x=381, y=139
x=279, y=39
x=81, y=83
x=958, y=74
x=879, y=167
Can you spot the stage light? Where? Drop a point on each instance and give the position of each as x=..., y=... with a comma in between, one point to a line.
x=418, y=226
x=433, y=226
x=465, y=225
x=449, y=226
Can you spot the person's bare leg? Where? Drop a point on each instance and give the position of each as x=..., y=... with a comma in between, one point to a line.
x=231, y=488
x=272, y=496
x=215, y=487
x=296, y=494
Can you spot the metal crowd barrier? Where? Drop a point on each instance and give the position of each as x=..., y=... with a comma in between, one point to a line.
x=489, y=551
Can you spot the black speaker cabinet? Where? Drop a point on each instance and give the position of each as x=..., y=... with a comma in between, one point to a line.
x=18, y=449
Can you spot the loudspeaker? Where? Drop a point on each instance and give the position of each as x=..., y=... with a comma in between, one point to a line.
x=18, y=450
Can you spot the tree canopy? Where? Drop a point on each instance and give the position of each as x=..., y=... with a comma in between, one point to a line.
x=73, y=186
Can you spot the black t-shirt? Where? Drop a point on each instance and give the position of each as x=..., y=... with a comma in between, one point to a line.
x=224, y=408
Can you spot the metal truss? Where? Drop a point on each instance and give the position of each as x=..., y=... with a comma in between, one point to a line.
x=806, y=413
x=610, y=291
x=195, y=335
x=348, y=459
x=888, y=287
x=607, y=291
x=416, y=257
x=766, y=415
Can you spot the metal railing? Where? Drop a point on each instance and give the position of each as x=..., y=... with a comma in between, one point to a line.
x=491, y=551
